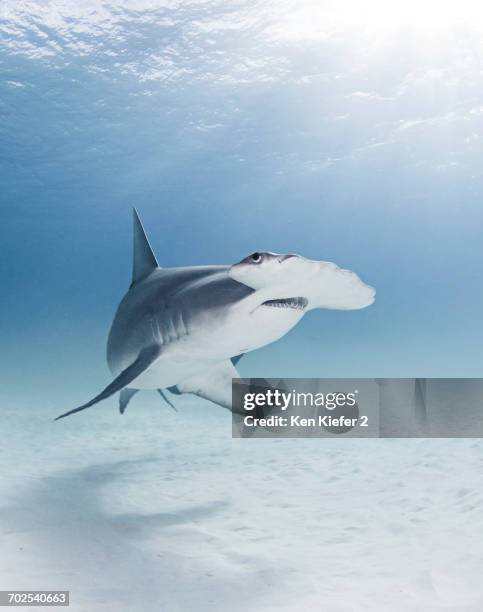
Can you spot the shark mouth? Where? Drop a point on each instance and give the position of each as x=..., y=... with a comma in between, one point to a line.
x=294, y=303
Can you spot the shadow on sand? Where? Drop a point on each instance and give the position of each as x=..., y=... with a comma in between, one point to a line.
x=104, y=558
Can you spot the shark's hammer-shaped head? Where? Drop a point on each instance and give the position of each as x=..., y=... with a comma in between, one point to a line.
x=291, y=281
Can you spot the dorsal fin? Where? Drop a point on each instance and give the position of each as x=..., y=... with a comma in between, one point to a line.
x=144, y=261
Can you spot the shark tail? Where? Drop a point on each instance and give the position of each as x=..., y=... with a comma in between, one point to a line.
x=144, y=360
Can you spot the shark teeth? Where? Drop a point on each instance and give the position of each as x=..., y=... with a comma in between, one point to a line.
x=295, y=303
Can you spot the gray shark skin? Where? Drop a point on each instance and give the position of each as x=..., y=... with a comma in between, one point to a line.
x=184, y=329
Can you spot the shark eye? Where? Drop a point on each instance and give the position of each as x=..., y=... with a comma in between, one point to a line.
x=256, y=257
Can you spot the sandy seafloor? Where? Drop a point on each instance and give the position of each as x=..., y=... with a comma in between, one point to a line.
x=163, y=511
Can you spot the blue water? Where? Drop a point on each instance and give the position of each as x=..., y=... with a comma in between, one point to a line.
x=230, y=135
x=307, y=126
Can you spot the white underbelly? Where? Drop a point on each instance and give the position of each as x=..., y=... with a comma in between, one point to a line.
x=172, y=367
x=197, y=352
x=268, y=324
x=240, y=334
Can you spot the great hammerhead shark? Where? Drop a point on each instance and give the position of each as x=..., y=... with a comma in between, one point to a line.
x=184, y=329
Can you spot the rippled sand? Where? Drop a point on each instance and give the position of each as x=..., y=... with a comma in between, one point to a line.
x=157, y=510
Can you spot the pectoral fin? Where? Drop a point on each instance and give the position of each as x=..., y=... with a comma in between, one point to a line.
x=144, y=360
x=214, y=384
x=236, y=359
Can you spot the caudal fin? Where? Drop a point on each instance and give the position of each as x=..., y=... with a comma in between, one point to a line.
x=144, y=360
